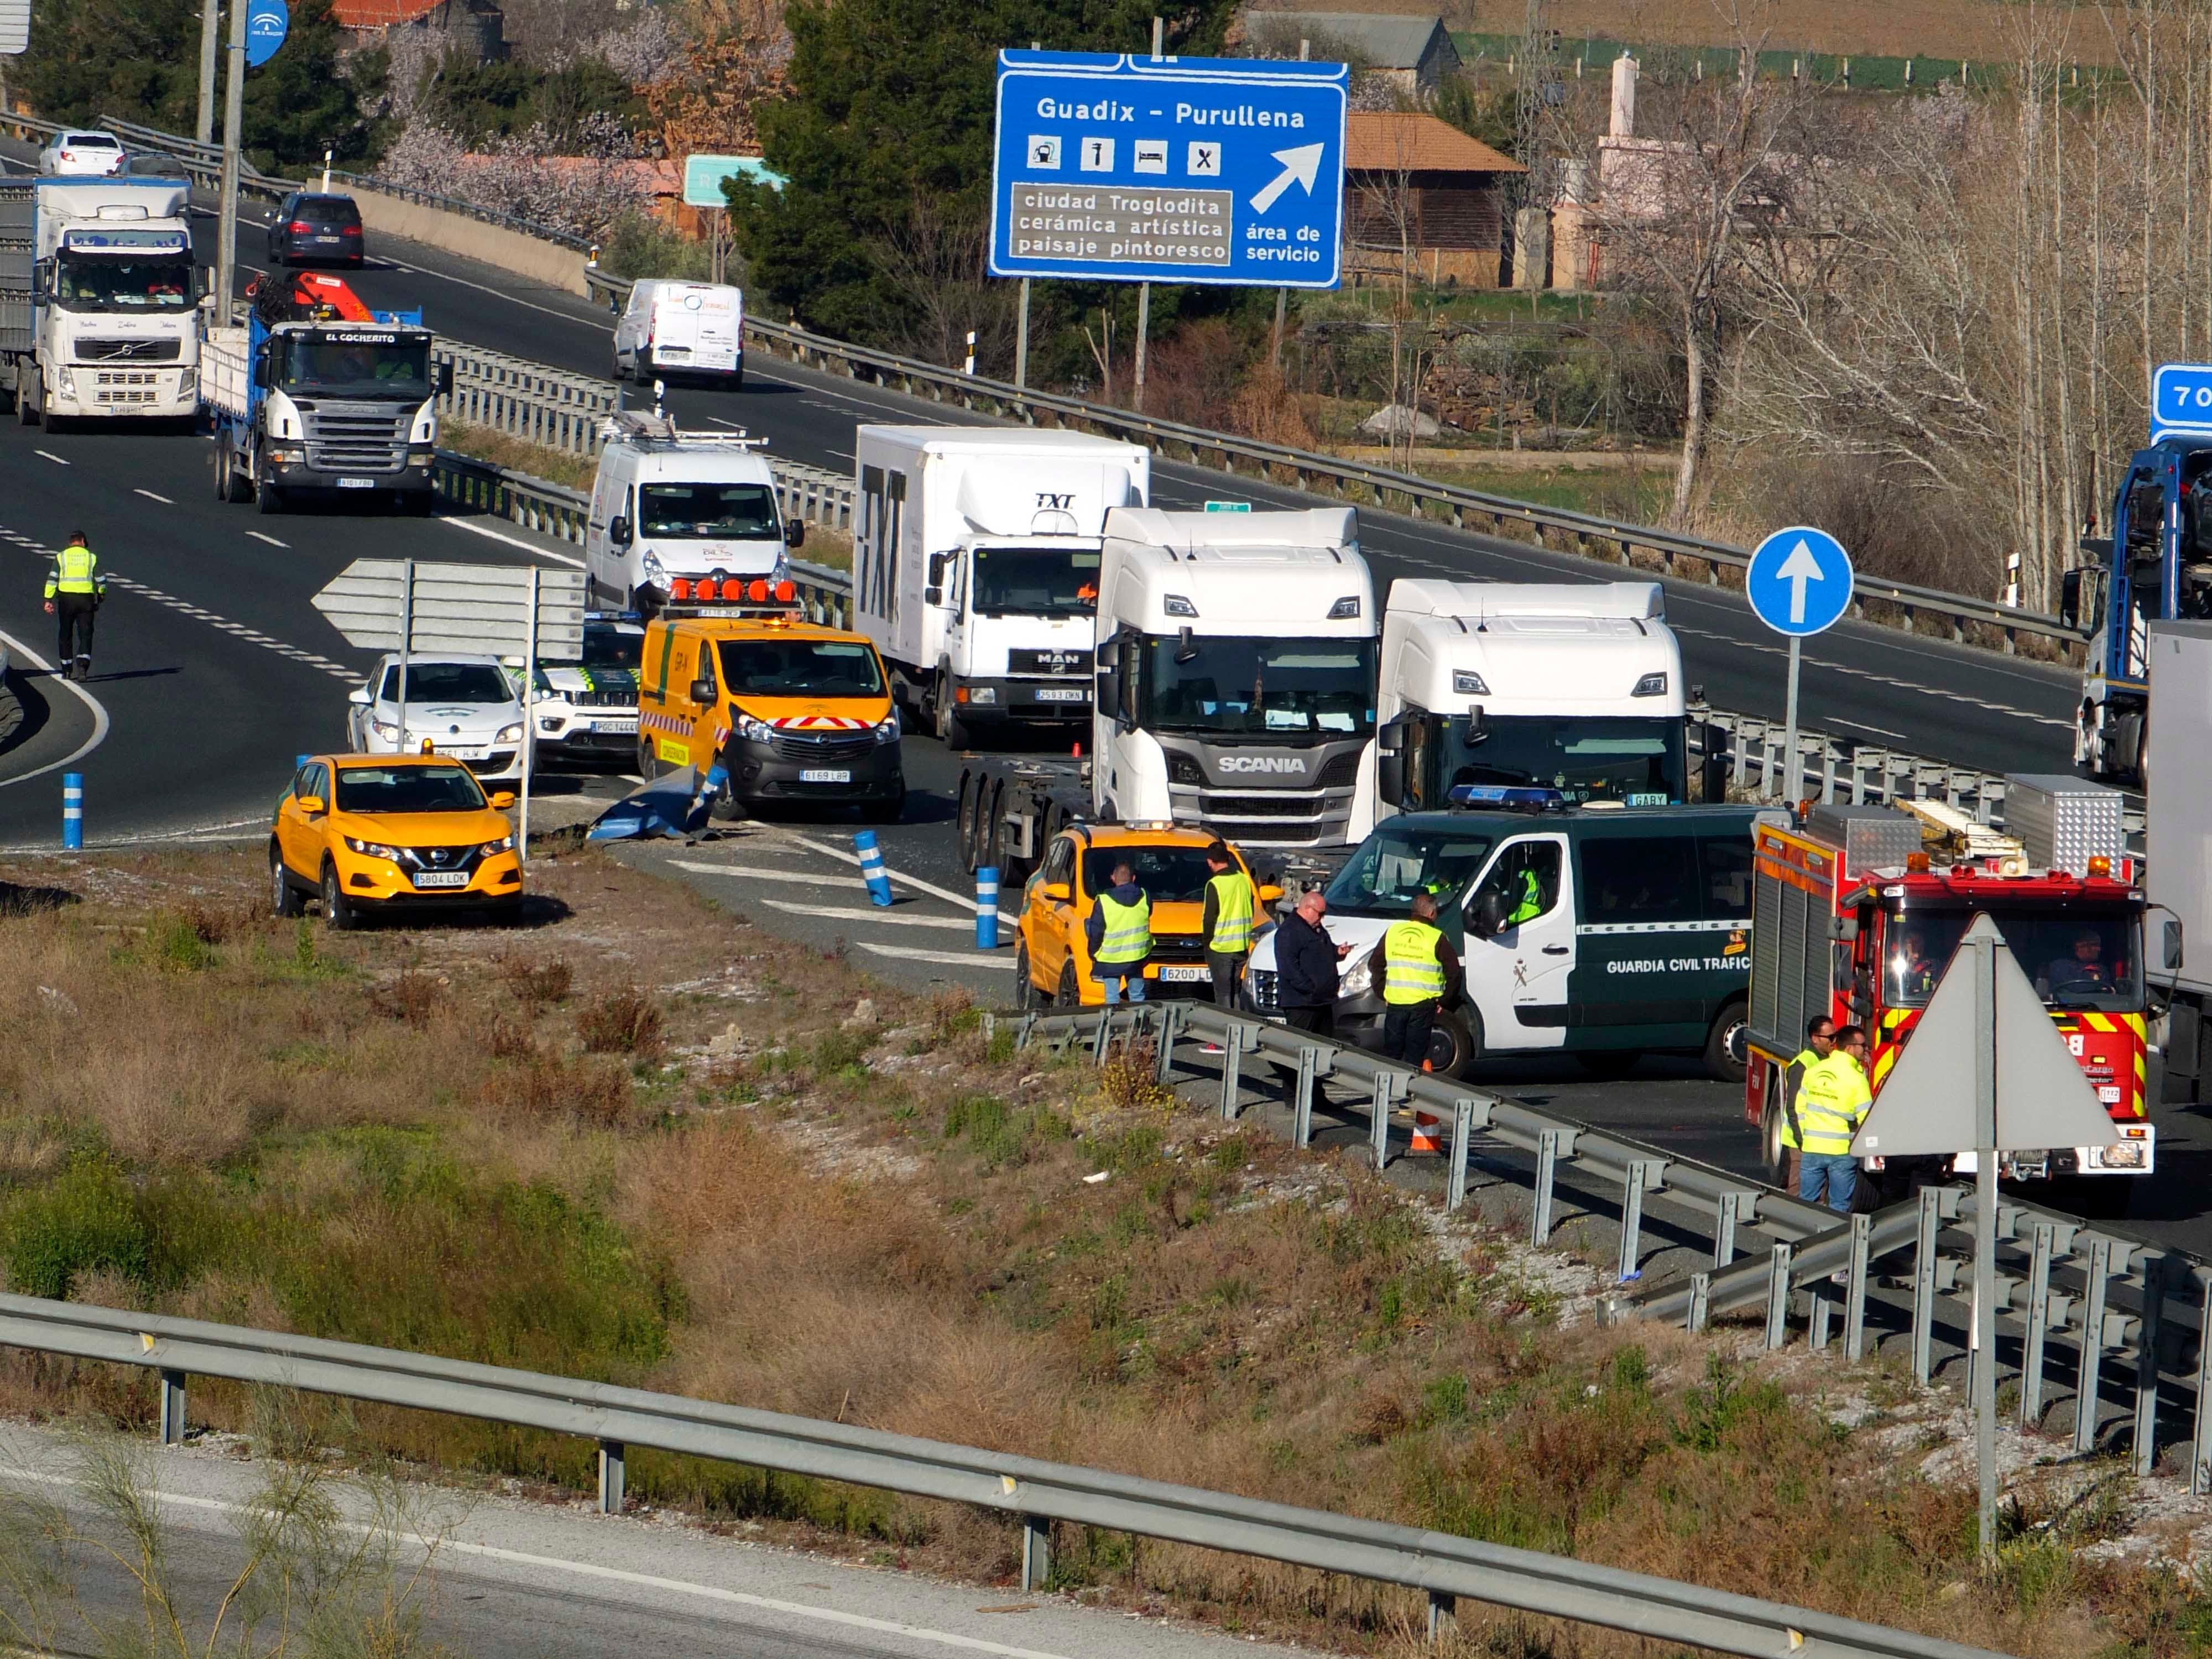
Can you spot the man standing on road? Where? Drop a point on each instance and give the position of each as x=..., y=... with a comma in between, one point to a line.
x=1227, y=924
x=1820, y=1043
x=1831, y=1106
x=1416, y=965
x=75, y=588
x=1305, y=975
x=1119, y=931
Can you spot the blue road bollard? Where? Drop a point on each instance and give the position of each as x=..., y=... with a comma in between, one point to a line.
x=987, y=908
x=871, y=867
x=73, y=811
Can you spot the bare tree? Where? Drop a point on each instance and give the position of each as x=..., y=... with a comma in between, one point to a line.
x=936, y=258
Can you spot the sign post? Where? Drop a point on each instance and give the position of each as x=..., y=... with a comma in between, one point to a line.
x=1986, y=1073
x=1799, y=582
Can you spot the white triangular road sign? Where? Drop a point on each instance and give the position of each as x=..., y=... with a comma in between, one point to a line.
x=1927, y=1105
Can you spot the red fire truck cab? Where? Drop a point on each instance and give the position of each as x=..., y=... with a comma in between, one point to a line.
x=1854, y=920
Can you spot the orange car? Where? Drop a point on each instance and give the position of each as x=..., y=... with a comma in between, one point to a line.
x=364, y=833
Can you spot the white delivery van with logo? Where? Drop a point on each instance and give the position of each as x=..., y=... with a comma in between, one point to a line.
x=669, y=329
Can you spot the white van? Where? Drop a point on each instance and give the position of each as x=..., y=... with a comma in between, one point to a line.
x=681, y=328
x=672, y=509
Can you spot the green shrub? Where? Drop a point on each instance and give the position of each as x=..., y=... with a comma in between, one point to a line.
x=85, y=1219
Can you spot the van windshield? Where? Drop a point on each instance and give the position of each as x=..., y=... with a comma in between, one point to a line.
x=1392, y=866
x=801, y=668
x=708, y=512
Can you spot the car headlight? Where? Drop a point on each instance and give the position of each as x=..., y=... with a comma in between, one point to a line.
x=1356, y=981
x=494, y=848
x=373, y=849
x=509, y=733
x=655, y=572
x=754, y=731
x=384, y=728
x=887, y=729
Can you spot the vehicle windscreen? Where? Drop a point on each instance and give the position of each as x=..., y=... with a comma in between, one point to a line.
x=355, y=364
x=1255, y=683
x=613, y=648
x=1169, y=875
x=327, y=209
x=408, y=789
x=708, y=512
x=1391, y=866
x=107, y=282
x=1639, y=762
x=448, y=682
x=1034, y=581
x=2073, y=958
x=800, y=668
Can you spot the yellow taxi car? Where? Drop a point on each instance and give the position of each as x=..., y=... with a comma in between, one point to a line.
x=793, y=713
x=1052, y=955
x=365, y=833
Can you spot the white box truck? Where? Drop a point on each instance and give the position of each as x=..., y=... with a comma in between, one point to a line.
x=98, y=299
x=2177, y=849
x=1575, y=687
x=975, y=566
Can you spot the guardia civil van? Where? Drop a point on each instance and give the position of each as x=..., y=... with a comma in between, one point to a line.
x=1642, y=944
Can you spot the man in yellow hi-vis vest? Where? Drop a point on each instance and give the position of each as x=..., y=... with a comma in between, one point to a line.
x=1832, y=1103
x=75, y=588
x=1230, y=901
x=1119, y=931
x=1416, y=967
x=1820, y=1043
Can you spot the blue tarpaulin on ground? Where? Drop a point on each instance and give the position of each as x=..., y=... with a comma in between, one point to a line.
x=674, y=805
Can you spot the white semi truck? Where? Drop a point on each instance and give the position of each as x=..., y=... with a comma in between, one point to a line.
x=1236, y=690
x=976, y=554
x=98, y=299
x=1575, y=687
x=2177, y=849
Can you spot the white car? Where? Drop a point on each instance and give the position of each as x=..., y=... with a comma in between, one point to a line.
x=464, y=708
x=587, y=710
x=89, y=154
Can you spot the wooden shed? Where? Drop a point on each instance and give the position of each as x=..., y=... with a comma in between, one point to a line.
x=1418, y=188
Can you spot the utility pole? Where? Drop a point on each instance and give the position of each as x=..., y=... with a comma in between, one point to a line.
x=210, y=31
x=1145, y=290
x=233, y=103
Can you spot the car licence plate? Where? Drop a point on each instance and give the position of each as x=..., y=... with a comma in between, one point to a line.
x=356, y=483
x=825, y=775
x=441, y=877
x=1195, y=974
x=1060, y=694
x=461, y=753
x=617, y=726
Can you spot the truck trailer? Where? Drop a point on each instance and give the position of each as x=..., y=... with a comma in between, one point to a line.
x=976, y=558
x=100, y=314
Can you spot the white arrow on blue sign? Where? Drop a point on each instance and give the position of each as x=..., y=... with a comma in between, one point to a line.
x=267, y=23
x=1799, y=581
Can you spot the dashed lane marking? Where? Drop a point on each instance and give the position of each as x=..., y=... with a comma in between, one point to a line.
x=512, y=540
x=833, y=914
x=1920, y=686
x=271, y=540
x=946, y=959
x=151, y=496
x=51, y=456
x=197, y=613
x=965, y=902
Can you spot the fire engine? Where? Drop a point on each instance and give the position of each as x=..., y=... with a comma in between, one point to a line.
x=1857, y=911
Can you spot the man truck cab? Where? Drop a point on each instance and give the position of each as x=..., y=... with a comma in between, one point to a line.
x=671, y=508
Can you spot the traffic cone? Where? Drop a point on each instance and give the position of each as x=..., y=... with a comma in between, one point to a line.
x=1427, y=1133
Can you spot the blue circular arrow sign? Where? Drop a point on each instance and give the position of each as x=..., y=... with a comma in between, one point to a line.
x=267, y=23
x=1799, y=581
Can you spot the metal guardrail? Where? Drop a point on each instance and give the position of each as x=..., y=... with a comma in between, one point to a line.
x=2135, y=1313
x=1038, y=1493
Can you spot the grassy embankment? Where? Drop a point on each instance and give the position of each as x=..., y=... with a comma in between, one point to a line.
x=647, y=1143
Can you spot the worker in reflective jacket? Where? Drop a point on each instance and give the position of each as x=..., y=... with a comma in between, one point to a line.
x=1229, y=903
x=1119, y=931
x=75, y=588
x=1417, y=967
x=1832, y=1103
x=1820, y=1043
x=1531, y=903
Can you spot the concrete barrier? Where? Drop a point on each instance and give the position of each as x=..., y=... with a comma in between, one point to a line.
x=473, y=239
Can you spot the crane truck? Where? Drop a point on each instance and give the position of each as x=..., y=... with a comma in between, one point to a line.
x=98, y=299
x=314, y=392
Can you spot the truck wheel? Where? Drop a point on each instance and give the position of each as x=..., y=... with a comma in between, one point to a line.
x=268, y=499
x=971, y=787
x=951, y=728
x=981, y=836
x=1773, y=1156
x=1025, y=996
x=1725, y=1053
x=1013, y=868
x=27, y=408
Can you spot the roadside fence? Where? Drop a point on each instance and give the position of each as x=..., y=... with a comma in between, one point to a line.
x=2113, y=1324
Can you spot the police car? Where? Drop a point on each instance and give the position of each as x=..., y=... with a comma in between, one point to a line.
x=587, y=710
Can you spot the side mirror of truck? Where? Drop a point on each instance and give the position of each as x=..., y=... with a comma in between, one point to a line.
x=1109, y=691
x=42, y=279
x=2170, y=942
x=1714, y=770
x=1390, y=775
x=444, y=381
x=932, y=596
x=794, y=533
x=618, y=530
x=2069, y=599
x=261, y=373
x=702, y=692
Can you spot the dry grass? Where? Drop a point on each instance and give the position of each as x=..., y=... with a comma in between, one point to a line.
x=704, y=1160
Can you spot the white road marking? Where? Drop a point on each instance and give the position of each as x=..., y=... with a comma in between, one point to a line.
x=271, y=540
x=1861, y=725
x=915, y=882
x=99, y=714
x=952, y=922
x=51, y=456
x=474, y=529
x=737, y=874
x=1921, y=687
x=151, y=496
x=948, y=958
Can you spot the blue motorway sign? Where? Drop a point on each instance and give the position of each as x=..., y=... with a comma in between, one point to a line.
x=1799, y=581
x=1133, y=169
x=2181, y=400
x=267, y=23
